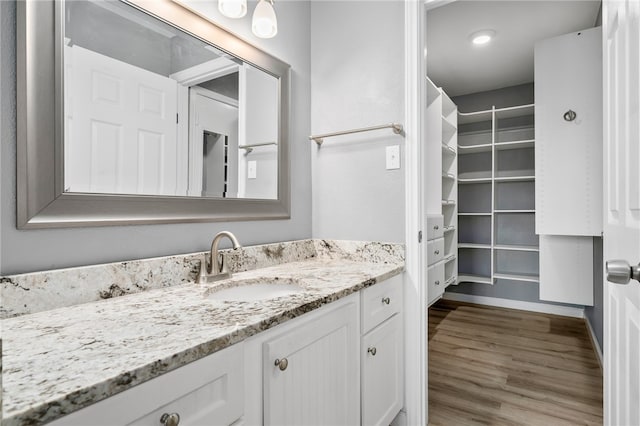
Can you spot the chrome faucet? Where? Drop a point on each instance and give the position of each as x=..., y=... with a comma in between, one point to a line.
x=210, y=269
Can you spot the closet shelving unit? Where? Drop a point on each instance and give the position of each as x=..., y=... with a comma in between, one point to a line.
x=449, y=188
x=496, y=196
x=442, y=174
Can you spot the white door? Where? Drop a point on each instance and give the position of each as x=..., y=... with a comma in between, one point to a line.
x=213, y=146
x=121, y=127
x=621, y=32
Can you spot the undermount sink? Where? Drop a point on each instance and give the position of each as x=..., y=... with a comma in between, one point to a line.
x=256, y=289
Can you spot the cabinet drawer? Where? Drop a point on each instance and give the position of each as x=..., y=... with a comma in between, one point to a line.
x=435, y=282
x=380, y=302
x=382, y=373
x=207, y=391
x=435, y=227
x=435, y=251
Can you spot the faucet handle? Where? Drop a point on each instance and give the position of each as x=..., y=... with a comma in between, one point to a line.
x=223, y=265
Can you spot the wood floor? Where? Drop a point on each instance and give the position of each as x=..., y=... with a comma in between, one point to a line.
x=494, y=366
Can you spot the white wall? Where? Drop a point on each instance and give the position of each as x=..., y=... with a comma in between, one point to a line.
x=34, y=250
x=357, y=80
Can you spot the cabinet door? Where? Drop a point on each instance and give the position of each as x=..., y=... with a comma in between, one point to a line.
x=319, y=383
x=208, y=391
x=382, y=373
x=568, y=151
x=435, y=282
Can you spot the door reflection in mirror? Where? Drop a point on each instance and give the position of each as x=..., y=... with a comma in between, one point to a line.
x=152, y=110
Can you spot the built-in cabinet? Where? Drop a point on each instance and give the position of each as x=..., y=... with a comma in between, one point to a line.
x=381, y=354
x=310, y=372
x=209, y=391
x=568, y=152
x=496, y=196
x=341, y=364
x=442, y=191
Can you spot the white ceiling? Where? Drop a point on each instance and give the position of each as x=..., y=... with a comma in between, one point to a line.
x=460, y=67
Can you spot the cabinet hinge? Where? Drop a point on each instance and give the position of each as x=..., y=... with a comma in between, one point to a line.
x=419, y=236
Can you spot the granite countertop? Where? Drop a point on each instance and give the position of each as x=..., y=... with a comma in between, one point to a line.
x=58, y=361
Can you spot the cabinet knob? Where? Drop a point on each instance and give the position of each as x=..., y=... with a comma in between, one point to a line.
x=436, y=252
x=372, y=351
x=386, y=300
x=282, y=364
x=436, y=227
x=172, y=419
x=437, y=282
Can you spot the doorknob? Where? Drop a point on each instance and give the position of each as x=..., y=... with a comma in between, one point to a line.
x=620, y=272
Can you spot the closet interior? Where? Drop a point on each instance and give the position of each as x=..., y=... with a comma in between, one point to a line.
x=497, y=153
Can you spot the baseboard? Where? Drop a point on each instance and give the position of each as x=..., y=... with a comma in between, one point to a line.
x=594, y=341
x=544, y=308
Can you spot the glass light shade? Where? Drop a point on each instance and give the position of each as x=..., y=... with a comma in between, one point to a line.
x=264, y=23
x=233, y=8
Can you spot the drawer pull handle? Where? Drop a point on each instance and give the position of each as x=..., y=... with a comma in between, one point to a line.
x=437, y=282
x=436, y=227
x=386, y=300
x=282, y=364
x=172, y=419
x=372, y=351
x=436, y=252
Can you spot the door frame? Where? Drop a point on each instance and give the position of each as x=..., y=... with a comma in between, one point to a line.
x=415, y=300
x=415, y=294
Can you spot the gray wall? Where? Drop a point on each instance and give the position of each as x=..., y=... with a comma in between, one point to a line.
x=33, y=250
x=500, y=98
x=595, y=314
x=7, y=105
x=357, y=80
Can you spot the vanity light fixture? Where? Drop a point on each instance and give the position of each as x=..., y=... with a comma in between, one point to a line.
x=233, y=8
x=263, y=24
x=482, y=37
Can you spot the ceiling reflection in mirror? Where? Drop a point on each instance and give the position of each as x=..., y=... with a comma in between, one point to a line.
x=151, y=110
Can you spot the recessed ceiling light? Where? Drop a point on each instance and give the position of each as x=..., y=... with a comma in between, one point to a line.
x=482, y=37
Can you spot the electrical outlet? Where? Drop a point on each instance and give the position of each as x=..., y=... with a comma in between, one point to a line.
x=393, y=157
x=251, y=169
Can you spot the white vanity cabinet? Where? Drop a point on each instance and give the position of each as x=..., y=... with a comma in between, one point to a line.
x=382, y=372
x=306, y=371
x=310, y=374
x=340, y=364
x=208, y=391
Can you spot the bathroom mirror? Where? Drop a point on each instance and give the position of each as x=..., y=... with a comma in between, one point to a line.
x=143, y=111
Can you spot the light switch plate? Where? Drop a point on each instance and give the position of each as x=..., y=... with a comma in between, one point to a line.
x=393, y=157
x=251, y=169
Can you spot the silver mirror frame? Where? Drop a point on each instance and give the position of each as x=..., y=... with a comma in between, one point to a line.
x=41, y=200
